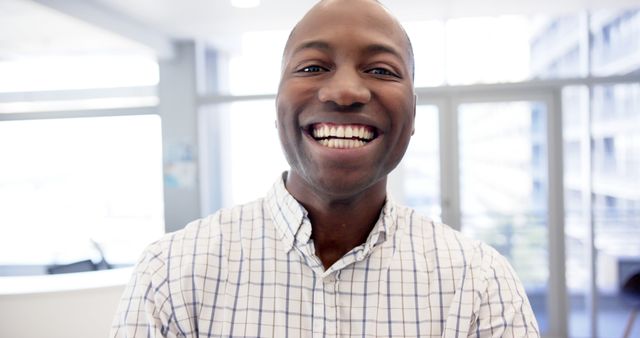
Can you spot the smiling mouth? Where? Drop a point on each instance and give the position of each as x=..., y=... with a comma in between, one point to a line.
x=342, y=136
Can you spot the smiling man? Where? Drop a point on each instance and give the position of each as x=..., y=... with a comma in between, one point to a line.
x=326, y=253
x=345, y=116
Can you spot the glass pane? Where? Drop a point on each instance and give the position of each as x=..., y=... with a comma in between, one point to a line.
x=472, y=57
x=427, y=38
x=252, y=143
x=77, y=72
x=575, y=101
x=616, y=200
x=615, y=41
x=421, y=165
x=615, y=151
x=503, y=187
x=256, y=69
x=65, y=183
x=557, y=47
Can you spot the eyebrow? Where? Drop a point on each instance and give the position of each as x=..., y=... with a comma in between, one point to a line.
x=370, y=49
x=384, y=49
x=314, y=44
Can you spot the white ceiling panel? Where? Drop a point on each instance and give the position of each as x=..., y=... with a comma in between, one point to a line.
x=28, y=27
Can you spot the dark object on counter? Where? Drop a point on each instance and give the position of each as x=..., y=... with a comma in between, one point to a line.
x=631, y=294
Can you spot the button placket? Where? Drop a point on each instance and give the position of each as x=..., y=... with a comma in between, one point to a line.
x=318, y=309
x=331, y=306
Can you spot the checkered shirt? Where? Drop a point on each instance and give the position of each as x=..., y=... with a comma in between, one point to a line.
x=251, y=271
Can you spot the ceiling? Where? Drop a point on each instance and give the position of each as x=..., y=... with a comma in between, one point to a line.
x=28, y=29
x=209, y=17
x=33, y=27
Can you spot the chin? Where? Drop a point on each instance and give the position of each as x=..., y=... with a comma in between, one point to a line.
x=345, y=185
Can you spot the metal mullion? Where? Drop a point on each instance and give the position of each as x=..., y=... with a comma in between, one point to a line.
x=558, y=309
x=450, y=163
x=587, y=208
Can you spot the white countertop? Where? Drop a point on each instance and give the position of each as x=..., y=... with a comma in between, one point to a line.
x=19, y=285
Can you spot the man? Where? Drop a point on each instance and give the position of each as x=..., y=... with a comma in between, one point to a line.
x=326, y=253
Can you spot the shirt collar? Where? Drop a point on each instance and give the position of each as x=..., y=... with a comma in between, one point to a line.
x=293, y=225
x=288, y=215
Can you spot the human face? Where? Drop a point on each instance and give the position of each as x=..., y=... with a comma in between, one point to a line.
x=345, y=102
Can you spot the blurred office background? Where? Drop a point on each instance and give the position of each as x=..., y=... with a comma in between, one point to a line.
x=124, y=119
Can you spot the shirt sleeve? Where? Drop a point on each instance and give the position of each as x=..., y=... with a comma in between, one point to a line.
x=504, y=309
x=144, y=309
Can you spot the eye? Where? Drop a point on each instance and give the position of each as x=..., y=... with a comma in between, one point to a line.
x=382, y=72
x=312, y=69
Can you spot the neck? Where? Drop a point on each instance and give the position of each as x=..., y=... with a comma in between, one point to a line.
x=339, y=224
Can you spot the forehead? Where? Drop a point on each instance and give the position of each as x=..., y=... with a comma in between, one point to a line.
x=362, y=23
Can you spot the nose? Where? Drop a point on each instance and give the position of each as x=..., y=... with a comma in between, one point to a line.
x=345, y=88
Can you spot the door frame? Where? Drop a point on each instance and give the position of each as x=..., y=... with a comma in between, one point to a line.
x=448, y=101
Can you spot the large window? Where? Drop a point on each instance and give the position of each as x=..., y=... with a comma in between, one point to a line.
x=80, y=143
x=602, y=185
x=503, y=187
x=64, y=72
x=67, y=185
x=254, y=158
x=421, y=165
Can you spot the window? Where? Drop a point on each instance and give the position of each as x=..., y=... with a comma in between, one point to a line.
x=66, y=72
x=250, y=152
x=421, y=164
x=487, y=50
x=503, y=188
x=68, y=183
x=256, y=68
x=616, y=216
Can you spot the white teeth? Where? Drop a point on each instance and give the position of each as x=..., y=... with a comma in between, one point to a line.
x=342, y=143
x=348, y=132
x=342, y=136
x=341, y=131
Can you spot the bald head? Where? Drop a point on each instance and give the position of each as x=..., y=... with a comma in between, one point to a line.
x=368, y=10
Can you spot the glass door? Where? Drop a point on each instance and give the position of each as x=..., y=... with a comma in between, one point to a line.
x=504, y=186
x=421, y=164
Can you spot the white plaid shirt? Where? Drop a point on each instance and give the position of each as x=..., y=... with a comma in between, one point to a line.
x=251, y=271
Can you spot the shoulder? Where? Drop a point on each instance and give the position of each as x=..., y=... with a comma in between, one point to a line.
x=473, y=268
x=435, y=236
x=445, y=247
x=201, y=239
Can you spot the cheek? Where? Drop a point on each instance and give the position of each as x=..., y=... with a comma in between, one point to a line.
x=403, y=124
x=288, y=132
